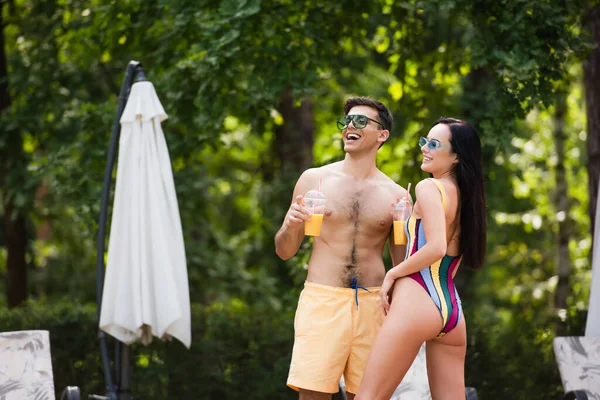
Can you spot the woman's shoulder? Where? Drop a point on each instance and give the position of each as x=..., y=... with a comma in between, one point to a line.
x=442, y=185
x=427, y=184
x=430, y=190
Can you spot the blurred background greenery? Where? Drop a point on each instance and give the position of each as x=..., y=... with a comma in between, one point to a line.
x=252, y=89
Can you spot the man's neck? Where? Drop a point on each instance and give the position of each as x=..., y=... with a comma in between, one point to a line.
x=360, y=166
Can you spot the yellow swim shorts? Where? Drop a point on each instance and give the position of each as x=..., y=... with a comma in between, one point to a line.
x=334, y=330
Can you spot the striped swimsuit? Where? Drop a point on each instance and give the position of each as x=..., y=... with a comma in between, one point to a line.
x=437, y=279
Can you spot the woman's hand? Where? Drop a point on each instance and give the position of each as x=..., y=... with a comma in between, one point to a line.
x=386, y=290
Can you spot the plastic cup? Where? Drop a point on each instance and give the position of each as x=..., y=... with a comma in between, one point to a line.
x=316, y=202
x=401, y=212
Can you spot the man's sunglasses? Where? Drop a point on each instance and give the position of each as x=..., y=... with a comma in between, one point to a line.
x=432, y=144
x=359, y=121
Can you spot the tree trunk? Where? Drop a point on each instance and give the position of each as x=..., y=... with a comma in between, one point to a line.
x=4, y=96
x=16, y=246
x=294, y=138
x=14, y=223
x=562, y=207
x=591, y=74
x=292, y=149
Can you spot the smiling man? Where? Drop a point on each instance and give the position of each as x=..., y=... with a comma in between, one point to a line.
x=339, y=310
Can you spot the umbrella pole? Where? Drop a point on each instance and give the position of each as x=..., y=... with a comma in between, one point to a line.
x=125, y=373
x=111, y=389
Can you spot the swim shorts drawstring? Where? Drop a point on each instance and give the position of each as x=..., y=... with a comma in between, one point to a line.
x=356, y=287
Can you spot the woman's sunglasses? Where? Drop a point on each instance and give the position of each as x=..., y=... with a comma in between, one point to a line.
x=432, y=144
x=359, y=121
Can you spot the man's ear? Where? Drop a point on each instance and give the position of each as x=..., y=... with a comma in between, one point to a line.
x=383, y=135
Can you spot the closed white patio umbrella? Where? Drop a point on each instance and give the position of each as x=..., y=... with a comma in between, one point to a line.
x=146, y=290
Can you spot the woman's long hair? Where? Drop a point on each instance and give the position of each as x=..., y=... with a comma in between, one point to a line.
x=469, y=177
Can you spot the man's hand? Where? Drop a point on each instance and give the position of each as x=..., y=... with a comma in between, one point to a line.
x=297, y=214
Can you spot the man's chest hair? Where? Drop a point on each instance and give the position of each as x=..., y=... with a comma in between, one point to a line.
x=360, y=205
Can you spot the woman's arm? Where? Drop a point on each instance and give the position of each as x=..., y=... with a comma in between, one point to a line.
x=433, y=218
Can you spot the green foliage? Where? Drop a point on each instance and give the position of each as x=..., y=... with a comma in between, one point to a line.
x=242, y=350
x=515, y=325
x=75, y=355
x=532, y=216
x=511, y=358
x=239, y=351
x=219, y=68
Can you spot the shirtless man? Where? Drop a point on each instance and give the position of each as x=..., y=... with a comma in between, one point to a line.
x=339, y=310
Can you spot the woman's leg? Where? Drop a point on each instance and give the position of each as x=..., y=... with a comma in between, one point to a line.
x=446, y=364
x=412, y=319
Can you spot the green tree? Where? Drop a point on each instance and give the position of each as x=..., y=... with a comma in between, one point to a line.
x=252, y=89
x=591, y=68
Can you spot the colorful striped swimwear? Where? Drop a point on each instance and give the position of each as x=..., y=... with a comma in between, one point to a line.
x=437, y=279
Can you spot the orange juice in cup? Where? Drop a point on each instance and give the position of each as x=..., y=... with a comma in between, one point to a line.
x=401, y=212
x=313, y=227
x=399, y=234
x=314, y=201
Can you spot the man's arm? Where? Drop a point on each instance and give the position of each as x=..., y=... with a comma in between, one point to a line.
x=289, y=237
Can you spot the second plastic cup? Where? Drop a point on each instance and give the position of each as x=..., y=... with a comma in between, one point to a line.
x=316, y=202
x=401, y=212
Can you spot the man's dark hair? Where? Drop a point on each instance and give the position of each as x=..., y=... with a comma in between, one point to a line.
x=385, y=116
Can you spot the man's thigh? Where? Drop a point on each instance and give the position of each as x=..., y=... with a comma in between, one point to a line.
x=323, y=336
x=367, y=322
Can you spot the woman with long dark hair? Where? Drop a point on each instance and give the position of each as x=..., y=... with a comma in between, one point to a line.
x=447, y=228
